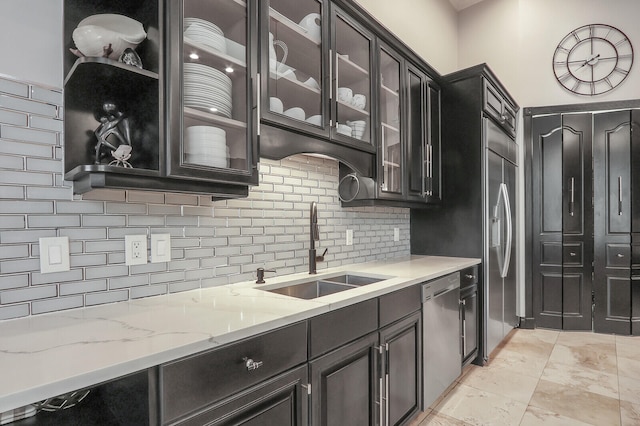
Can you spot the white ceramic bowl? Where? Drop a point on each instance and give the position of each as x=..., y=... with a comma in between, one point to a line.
x=315, y=120
x=275, y=105
x=312, y=23
x=96, y=32
x=359, y=101
x=295, y=112
x=345, y=94
x=311, y=82
x=344, y=129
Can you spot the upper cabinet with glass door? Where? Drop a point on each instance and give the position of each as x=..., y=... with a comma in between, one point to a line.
x=351, y=58
x=293, y=64
x=211, y=99
x=390, y=147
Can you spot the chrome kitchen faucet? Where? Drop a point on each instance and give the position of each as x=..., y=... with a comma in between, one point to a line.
x=314, y=235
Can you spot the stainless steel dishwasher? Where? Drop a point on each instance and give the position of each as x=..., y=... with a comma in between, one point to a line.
x=442, y=360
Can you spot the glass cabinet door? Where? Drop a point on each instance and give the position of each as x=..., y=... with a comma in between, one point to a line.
x=390, y=144
x=351, y=57
x=417, y=147
x=214, y=81
x=294, y=57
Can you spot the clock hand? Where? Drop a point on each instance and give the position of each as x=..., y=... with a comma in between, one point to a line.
x=589, y=59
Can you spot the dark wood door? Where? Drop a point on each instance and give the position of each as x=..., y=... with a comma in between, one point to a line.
x=562, y=221
x=612, y=222
x=577, y=221
x=281, y=401
x=345, y=386
x=402, y=369
x=547, y=220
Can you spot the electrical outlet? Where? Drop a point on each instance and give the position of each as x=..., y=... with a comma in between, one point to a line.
x=54, y=254
x=349, y=237
x=135, y=249
x=396, y=234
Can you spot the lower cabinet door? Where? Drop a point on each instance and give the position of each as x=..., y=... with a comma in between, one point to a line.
x=469, y=302
x=402, y=361
x=344, y=385
x=281, y=401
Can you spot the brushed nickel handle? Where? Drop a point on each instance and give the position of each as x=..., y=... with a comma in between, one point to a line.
x=572, y=196
x=620, y=255
x=469, y=276
x=572, y=254
x=251, y=365
x=619, y=195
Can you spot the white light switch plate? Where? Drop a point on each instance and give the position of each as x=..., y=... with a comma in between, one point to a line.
x=135, y=249
x=160, y=248
x=54, y=254
x=349, y=237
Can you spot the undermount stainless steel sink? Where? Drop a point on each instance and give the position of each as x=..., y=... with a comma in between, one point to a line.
x=324, y=286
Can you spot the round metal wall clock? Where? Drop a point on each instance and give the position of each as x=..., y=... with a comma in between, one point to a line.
x=593, y=59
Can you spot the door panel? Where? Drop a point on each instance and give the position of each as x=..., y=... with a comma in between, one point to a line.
x=577, y=221
x=547, y=221
x=635, y=223
x=612, y=224
x=493, y=288
x=510, y=281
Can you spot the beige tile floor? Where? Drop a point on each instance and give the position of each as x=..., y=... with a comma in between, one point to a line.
x=546, y=377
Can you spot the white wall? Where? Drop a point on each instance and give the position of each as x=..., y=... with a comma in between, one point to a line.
x=429, y=27
x=31, y=40
x=517, y=39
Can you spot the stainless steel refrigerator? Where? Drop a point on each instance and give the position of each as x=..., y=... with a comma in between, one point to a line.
x=500, y=235
x=477, y=217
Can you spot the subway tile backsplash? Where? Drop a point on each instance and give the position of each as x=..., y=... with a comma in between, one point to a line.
x=213, y=242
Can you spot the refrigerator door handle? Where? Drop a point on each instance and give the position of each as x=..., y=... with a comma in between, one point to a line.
x=507, y=248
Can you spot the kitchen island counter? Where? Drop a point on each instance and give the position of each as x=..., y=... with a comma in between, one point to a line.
x=42, y=356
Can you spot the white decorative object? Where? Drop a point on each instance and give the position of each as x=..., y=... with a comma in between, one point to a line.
x=312, y=24
x=274, y=64
x=275, y=105
x=107, y=35
x=296, y=112
x=359, y=101
x=345, y=94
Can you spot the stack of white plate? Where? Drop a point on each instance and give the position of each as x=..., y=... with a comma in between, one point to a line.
x=206, y=146
x=205, y=32
x=207, y=88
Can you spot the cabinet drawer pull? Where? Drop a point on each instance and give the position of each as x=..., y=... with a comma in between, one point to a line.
x=469, y=276
x=620, y=255
x=572, y=254
x=251, y=364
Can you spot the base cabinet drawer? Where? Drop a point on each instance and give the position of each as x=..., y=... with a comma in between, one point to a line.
x=190, y=384
x=280, y=401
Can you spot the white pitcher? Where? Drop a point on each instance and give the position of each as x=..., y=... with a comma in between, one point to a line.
x=274, y=66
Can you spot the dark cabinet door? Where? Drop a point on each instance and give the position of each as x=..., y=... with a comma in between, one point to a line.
x=577, y=221
x=635, y=223
x=344, y=385
x=547, y=220
x=401, y=388
x=281, y=401
x=612, y=222
x=563, y=221
x=469, y=306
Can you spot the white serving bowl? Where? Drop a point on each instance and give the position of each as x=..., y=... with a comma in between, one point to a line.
x=344, y=129
x=296, y=112
x=345, y=94
x=94, y=34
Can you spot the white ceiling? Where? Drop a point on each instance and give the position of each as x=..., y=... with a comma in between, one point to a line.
x=463, y=4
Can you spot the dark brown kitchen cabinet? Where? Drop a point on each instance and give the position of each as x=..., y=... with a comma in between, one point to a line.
x=109, y=104
x=345, y=384
x=401, y=386
x=499, y=107
x=279, y=401
x=201, y=383
x=616, y=225
x=469, y=314
x=316, y=82
x=408, y=155
x=563, y=221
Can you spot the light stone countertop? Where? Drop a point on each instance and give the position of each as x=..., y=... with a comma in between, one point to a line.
x=51, y=354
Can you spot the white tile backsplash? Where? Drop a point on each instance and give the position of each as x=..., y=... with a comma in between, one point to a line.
x=213, y=242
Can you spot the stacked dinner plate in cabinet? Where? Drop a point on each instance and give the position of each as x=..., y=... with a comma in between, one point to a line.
x=207, y=88
x=206, y=33
x=206, y=146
